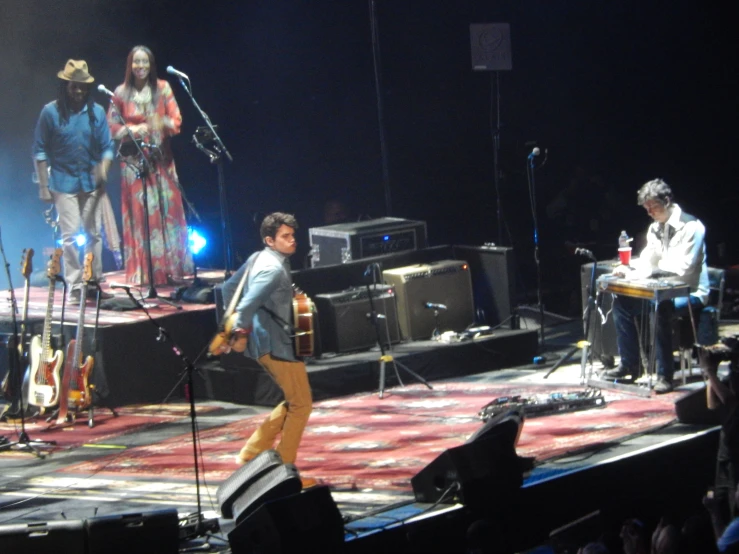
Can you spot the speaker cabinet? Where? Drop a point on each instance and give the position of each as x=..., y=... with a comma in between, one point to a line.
x=446, y=282
x=604, y=335
x=155, y=532
x=281, y=481
x=305, y=522
x=493, y=284
x=233, y=487
x=53, y=537
x=486, y=467
x=343, y=318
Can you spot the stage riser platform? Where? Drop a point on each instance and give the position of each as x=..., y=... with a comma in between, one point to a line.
x=131, y=366
x=241, y=380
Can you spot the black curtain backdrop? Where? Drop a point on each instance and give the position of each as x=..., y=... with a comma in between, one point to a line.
x=617, y=93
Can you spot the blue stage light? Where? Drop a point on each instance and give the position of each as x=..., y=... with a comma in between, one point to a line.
x=80, y=239
x=196, y=241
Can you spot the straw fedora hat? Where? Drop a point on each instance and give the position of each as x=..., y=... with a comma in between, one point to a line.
x=76, y=70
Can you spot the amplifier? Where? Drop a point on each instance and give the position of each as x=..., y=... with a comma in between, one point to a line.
x=446, y=282
x=344, y=242
x=604, y=335
x=343, y=318
x=493, y=283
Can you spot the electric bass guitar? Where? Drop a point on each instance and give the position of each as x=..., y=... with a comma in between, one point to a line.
x=76, y=392
x=46, y=363
x=8, y=383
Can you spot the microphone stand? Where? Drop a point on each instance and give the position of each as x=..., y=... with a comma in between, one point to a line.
x=583, y=345
x=532, y=196
x=164, y=336
x=384, y=356
x=215, y=158
x=142, y=171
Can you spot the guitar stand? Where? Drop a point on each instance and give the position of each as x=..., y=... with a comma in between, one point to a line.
x=24, y=442
x=72, y=416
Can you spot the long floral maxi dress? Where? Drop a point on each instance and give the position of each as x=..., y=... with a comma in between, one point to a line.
x=170, y=256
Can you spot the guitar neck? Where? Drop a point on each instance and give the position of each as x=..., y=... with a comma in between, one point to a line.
x=80, y=328
x=46, y=337
x=24, y=321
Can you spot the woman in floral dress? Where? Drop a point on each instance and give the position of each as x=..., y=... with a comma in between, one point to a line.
x=145, y=108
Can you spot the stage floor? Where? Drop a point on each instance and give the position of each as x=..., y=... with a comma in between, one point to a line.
x=74, y=483
x=142, y=460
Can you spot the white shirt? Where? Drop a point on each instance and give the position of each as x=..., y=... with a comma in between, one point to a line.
x=678, y=247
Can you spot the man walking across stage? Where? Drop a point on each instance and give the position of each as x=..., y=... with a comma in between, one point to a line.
x=675, y=248
x=264, y=313
x=73, y=139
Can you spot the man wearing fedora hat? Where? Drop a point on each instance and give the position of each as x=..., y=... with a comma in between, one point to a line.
x=72, y=151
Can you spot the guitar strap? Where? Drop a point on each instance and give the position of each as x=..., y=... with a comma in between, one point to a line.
x=292, y=331
x=237, y=296
x=239, y=289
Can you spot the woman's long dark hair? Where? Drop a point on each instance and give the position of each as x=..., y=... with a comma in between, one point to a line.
x=129, y=80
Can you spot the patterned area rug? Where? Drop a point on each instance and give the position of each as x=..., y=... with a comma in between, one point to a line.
x=364, y=442
x=130, y=419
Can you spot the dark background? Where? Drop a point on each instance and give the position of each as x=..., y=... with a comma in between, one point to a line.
x=617, y=93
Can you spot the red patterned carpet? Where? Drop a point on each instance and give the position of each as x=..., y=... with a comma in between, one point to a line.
x=363, y=442
x=131, y=419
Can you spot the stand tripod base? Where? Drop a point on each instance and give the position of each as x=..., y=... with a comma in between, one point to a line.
x=384, y=359
x=25, y=444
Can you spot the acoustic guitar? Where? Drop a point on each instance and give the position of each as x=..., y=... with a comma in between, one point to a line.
x=303, y=321
x=76, y=392
x=46, y=364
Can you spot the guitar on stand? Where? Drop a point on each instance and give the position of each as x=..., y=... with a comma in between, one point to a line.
x=46, y=363
x=10, y=394
x=76, y=392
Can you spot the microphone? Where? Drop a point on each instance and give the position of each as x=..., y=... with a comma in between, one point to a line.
x=435, y=306
x=119, y=286
x=172, y=71
x=584, y=252
x=101, y=88
x=535, y=152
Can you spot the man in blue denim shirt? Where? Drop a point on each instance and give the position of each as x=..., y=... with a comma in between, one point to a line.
x=264, y=314
x=72, y=151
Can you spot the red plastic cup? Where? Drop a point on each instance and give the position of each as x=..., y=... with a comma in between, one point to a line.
x=624, y=255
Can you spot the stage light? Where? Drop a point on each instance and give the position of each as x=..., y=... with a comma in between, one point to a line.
x=195, y=240
x=80, y=239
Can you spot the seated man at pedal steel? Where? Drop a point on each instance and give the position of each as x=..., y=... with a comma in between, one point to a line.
x=675, y=249
x=263, y=312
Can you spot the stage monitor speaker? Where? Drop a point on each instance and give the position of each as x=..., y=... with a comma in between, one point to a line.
x=52, y=537
x=343, y=318
x=417, y=287
x=482, y=469
x=281, y=481
x=240, y=480
x=604, y=335
x=155, y=532
x=493, y=283
x=305, y=522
